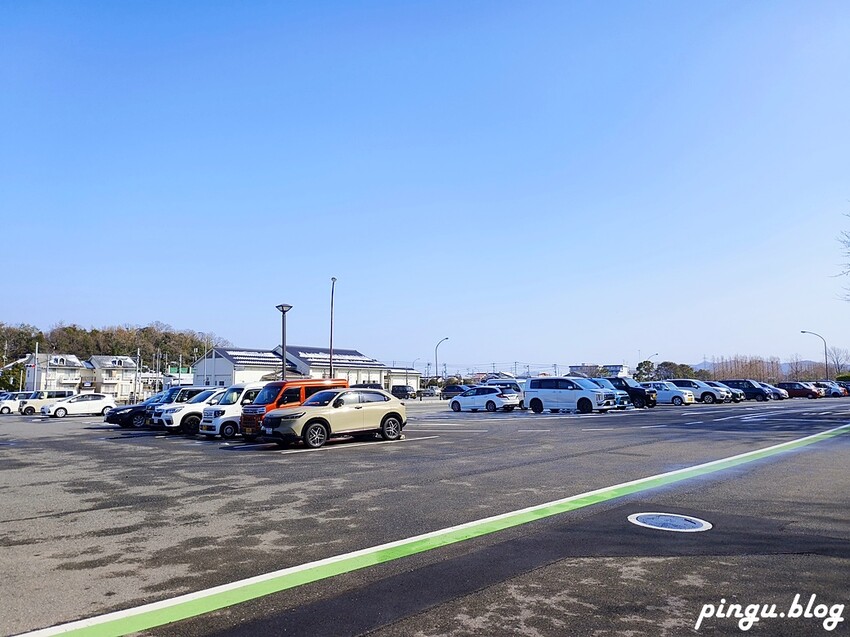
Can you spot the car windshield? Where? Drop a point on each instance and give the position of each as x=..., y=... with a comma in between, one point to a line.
x=267, y=396
x=603, y=382
x=585, y=383
x=230, y=396
x=202, y=396
x=321, y=399
x=154, y=399
x=631, y=382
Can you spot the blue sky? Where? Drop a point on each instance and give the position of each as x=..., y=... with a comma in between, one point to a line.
x=548, y=182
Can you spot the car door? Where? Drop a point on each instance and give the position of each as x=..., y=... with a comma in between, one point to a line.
x=374, y=407
x=568, y=394
x=348, y=412
x=466, y=399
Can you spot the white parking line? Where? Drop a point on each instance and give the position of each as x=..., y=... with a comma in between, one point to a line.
x=659, y=426
x=696, y=422
x=446, y=431
x=356, y=444
x=532, y=430
x=602, y=429
x=441, y=424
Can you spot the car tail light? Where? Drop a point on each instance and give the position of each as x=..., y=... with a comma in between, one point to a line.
x=501, y=396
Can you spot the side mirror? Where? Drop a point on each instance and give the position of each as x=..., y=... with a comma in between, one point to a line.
x=338, y=403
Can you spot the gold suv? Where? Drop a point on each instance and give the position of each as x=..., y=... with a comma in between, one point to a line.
x=337, y=412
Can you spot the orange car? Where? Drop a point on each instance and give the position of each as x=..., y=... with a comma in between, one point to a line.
x=282, y=394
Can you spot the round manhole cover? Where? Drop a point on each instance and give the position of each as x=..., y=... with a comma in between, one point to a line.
x=670, y=522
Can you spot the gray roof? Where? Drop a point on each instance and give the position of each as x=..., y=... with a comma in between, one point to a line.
x=263, y=358
x=320, y=357
x=112, y=362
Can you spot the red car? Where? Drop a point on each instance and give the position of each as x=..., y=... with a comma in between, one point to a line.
x=799, y=390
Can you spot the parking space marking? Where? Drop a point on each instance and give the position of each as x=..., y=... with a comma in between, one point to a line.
x=201, y=602
x=352, y=445
x=659, y=426
x=602, y=429
x=520, y=431
x=696, y=422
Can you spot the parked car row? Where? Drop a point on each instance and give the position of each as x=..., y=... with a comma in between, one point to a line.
x=585, y=395
x=308, y=410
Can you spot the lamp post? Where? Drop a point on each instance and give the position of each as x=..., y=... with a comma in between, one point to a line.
x=825, y=357
x=333, y=285
x=283, y=310
x=405, y=370
x=436, y=364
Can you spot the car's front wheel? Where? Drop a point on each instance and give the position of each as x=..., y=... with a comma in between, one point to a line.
x=138, y=420
x=585, y=406
x=391, y=428
x=5, y=410
x=228, y=430
x=60, y=413
x=455, y=405
x=708, y=398
x=639, y=402
x=315, y=435
x=677, y=400
x=760, y=398
x=191, y=425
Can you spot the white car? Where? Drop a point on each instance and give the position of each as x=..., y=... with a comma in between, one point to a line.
x=186, y=417
x=669, y=393
x=81, y=404
x=12, y=401
x=223, y=419
x=702, y=391
x=486, y=397
x=571, y=394
x=510, y=384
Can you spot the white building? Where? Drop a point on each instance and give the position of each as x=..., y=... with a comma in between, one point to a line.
x=356, y=368
x=225, y=366
x=54, y=371
x=115, y=376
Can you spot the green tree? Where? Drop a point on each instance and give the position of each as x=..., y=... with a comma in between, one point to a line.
x=645, y=371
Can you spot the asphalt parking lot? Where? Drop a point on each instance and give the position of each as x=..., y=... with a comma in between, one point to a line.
x=98, y=519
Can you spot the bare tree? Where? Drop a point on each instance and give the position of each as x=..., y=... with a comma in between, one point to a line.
x=838, y=357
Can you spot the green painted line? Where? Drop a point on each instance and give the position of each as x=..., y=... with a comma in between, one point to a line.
x=202, y=602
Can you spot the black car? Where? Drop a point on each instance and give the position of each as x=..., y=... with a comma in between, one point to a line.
x=751, y=388
x=640, y=396
x=403, y=391
x=450, y=391
x=133, y=415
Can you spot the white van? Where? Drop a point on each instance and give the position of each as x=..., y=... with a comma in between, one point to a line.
x=38, y=399
x=515, y=384
x=223, y=419
x=557, y=393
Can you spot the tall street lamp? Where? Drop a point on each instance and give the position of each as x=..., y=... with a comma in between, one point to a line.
x=283, y=310
x=436, y=364
x=825, y=358
x=405, y=371
x=333, y=285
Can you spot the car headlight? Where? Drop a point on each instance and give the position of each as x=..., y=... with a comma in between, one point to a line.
x=294, y=416
x=172, y=410
x=217, y=413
